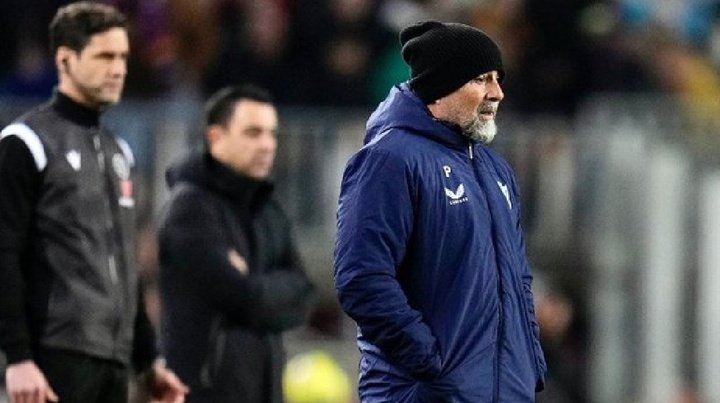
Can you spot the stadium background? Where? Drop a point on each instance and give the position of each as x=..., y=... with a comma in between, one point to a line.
x=611, y=120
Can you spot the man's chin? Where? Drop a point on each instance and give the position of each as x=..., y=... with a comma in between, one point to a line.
x=489, y=137
x=260, y=173
x=482, y=131
x=110, y=100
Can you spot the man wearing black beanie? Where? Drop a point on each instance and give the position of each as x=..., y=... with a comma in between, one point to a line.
x=430, y=259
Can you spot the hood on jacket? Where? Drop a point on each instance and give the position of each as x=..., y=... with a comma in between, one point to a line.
x=191, y=168
x=201, y=169
x=402, y=109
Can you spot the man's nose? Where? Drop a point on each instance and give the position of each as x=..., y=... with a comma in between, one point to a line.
x=269, y=142
x=495, y=92
x=119, y=67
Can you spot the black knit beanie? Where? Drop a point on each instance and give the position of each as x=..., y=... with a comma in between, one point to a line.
x=444, y=56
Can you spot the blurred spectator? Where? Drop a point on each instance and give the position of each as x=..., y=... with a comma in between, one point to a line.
x=389, y=70
x=551, y=73
x=231, y=277
x=173, y=44
x=397, y=14
x=506, y=21
x=25, y=69
x=337, y=43
x=253, y=47
x=690, y=20
x=32, y=74
x=562, y=341
x=693, y=82
x=344, y=52
x=683, y=71
x=614, y=62
x=195, y=27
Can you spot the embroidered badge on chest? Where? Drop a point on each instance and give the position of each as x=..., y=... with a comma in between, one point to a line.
x=456, y=196
x=122, y=170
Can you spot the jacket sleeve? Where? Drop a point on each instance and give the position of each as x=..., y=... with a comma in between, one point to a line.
x=145, y=349
x=527, y=278
x=194, y=246
x=287, y=278
x=19, y=187
x=374, y=222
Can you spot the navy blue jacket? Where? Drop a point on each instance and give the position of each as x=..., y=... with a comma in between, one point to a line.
x=430, y=262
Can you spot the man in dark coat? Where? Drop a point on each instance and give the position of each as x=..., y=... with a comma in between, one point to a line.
x=72, y=321
x=231, y=279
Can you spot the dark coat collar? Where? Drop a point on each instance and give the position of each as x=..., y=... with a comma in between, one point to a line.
x=72, y=110
x=203, y=170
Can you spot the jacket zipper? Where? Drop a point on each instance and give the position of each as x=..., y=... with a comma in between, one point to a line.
x=109, y=227
x=501, y=320
x=110, y=236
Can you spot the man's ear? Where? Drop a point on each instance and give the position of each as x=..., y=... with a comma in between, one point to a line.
x=212, y=134
x=62, y=55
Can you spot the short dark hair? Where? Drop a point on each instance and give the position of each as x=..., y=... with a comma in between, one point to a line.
x=74, y=24
x=221, y=105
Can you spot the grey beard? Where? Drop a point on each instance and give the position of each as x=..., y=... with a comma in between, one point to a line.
x=482, y=131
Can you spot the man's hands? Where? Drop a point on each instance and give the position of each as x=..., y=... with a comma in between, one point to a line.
x=237, y=261
x=164, y=386
x=25, y=383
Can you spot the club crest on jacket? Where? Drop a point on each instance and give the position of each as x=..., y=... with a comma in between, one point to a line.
x=506, y=193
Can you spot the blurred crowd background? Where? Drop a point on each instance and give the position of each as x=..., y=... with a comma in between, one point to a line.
x=611, y=119
x=345, y=52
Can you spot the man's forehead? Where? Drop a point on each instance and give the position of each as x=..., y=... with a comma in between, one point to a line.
x=254, y=112
x=114, y=37
x=252, y=107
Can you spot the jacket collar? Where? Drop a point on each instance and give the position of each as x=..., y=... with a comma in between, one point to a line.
x=402, y=109
x=203, y=170
x=72, y=110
